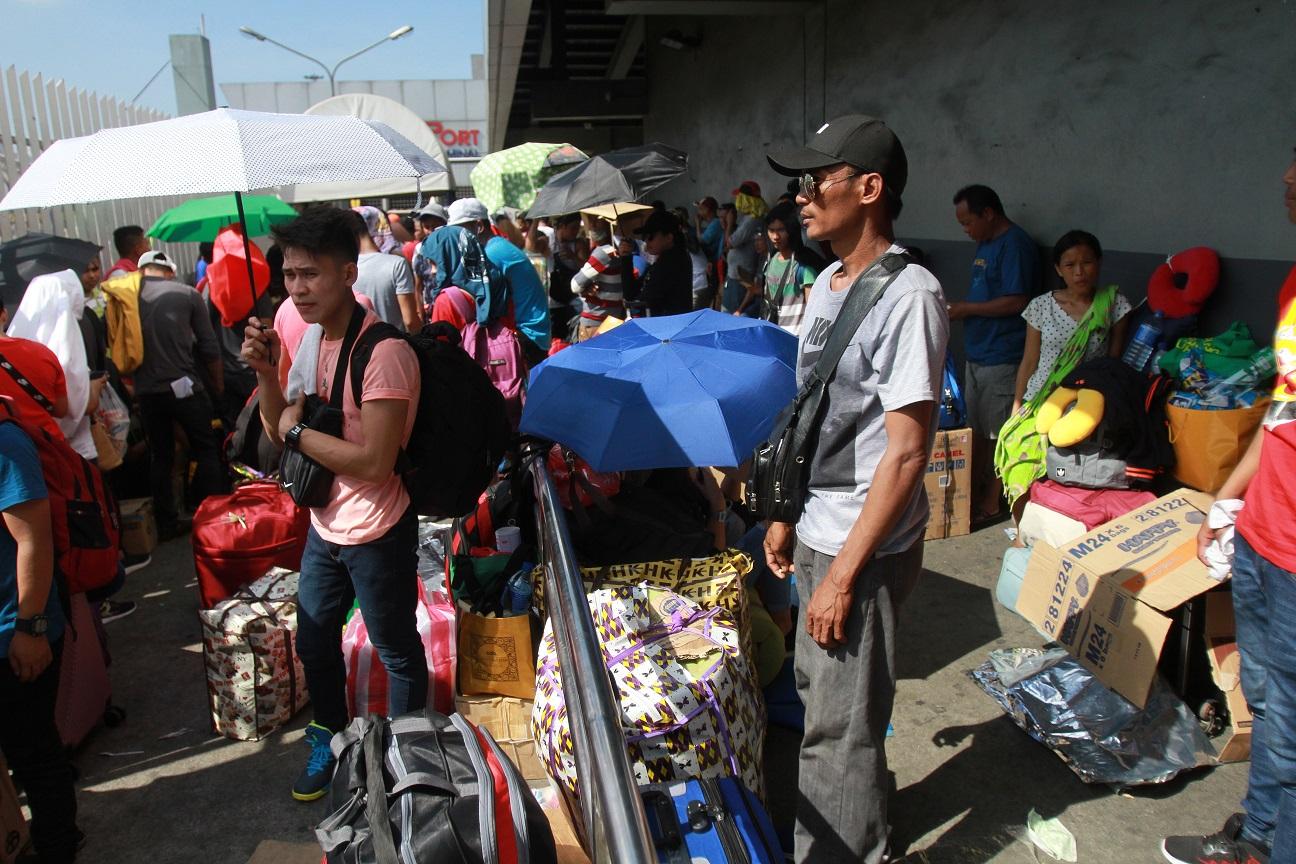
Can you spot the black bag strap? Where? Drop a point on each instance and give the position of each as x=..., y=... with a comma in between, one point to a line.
x=384, y=845
x=25, y=383
x=864, y=294
x=343, y=362
x=363, y=350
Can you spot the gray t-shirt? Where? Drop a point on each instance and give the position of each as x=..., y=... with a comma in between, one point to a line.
x=381, y=277
x=895, y=358
x=177, y=335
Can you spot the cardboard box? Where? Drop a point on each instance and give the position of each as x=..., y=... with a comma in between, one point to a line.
x=508, y=719
x=1221, y=650
x=1103, y=595
x=13, y=827
x=139, y=533
x=566, y=839
x=949, y=485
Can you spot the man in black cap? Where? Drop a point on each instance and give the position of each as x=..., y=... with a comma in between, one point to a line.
x=857, y=547
x=667, y=287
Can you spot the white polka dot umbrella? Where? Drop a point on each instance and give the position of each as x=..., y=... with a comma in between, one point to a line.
x=225, y=150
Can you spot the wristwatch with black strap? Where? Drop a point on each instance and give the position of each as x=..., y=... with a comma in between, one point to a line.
x=37, y=625
x=293, y=438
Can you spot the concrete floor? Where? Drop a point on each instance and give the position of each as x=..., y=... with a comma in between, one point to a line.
x=160, y=788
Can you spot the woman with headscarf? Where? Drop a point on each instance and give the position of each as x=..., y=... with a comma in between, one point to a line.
x=50, y=313
x=742, y=270
x=379, y=229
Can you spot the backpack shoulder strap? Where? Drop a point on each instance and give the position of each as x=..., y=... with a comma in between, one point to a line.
x=25, y=384
x=363, y=350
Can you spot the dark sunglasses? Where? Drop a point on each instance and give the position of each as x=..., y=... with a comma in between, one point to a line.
x=811, y=186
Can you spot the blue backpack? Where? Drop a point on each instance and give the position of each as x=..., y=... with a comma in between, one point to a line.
x=953, y=410
x=461, y=260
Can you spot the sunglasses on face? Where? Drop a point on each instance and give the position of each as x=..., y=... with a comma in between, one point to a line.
x=811, y=186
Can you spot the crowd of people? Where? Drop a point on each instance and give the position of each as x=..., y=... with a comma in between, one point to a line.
x=856, y=550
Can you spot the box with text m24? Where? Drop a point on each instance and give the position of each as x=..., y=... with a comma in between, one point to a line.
x=1103, y=596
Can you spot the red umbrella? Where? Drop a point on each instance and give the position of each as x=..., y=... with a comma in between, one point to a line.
x=227, y=277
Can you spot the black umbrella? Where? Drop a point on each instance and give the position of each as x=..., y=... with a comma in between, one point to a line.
x=32, y=255
x=629, y=174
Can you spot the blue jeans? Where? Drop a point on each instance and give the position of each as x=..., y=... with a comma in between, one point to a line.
x=383, y=575
x=1264, y=604
x=30, y=742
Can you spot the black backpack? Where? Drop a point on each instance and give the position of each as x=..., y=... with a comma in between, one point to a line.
x=461, y=430
x=428, y=787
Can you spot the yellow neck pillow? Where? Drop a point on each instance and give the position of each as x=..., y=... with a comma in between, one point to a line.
x=1069, y=416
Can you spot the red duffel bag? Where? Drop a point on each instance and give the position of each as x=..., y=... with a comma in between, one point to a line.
x=238, y=537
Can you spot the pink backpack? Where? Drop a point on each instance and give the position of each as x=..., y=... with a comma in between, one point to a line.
x=497, y=349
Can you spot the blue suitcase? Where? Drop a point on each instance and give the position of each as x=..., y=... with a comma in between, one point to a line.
x=714, y=821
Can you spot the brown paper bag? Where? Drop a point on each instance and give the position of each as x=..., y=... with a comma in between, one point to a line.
x=1209, y=444
x=496, y=656
x=109, y=458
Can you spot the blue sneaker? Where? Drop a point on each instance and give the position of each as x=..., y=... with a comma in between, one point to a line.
x=314, y=781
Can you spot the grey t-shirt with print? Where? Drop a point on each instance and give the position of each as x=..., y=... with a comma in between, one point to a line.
x=895, y=358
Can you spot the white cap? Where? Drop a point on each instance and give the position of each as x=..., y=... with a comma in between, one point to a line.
x=157, y=258
x=467, y=210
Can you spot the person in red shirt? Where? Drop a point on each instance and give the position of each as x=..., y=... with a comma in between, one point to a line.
x=1264, y=605
x=34, y=363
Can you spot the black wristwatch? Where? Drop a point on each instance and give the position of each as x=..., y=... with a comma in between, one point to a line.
x=37, y=625
x=293, y=438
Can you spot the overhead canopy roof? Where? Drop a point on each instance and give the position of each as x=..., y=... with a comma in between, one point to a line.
x=366, y=106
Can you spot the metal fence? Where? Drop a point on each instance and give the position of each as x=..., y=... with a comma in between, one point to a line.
x=612, y=818
x=34, y=113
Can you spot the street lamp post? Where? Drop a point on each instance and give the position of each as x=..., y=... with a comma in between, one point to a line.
x=332, y=73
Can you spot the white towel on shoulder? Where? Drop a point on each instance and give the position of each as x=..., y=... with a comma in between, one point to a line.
x=302, y=376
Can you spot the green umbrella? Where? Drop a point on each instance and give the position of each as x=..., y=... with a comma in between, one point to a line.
x=511, y=178
x=202, y=218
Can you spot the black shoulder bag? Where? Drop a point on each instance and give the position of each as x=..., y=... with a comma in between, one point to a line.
x=308, y=482
x=780, y=474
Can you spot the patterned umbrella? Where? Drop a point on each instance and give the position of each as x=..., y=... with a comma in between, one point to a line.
x=511, y=178
x=225, y=150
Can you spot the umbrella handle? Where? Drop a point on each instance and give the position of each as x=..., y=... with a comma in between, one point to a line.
x=247, y=259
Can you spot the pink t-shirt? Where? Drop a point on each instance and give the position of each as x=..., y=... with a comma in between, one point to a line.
x=290, y=326
x=361, y=511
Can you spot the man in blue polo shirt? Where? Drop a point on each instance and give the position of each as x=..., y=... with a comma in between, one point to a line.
x=1005, y=275
x=31, y=628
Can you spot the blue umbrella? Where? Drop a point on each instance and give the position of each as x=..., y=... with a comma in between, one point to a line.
x=682, y=390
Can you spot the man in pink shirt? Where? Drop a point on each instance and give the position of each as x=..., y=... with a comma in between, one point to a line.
x=363, y=543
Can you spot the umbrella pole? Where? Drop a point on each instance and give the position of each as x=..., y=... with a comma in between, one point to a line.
x=247, y=250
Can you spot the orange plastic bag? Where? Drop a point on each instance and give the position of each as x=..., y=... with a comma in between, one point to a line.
x=1209, y=444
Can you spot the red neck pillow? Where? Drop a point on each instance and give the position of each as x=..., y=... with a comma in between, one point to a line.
x=1181, y=286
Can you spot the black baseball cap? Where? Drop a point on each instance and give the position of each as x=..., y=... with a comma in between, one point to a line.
x=856, y=139
x=659, y=222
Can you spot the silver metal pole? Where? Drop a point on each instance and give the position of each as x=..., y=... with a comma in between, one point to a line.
x=616, y=829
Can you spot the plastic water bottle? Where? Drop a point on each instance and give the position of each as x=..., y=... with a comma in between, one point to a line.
x=1259, y=372
x=517, y=591
x=1145, y=340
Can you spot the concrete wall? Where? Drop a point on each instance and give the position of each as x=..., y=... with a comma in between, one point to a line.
x=1156, y=125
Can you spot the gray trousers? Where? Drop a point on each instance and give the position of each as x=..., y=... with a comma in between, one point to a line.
x=848, y=693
